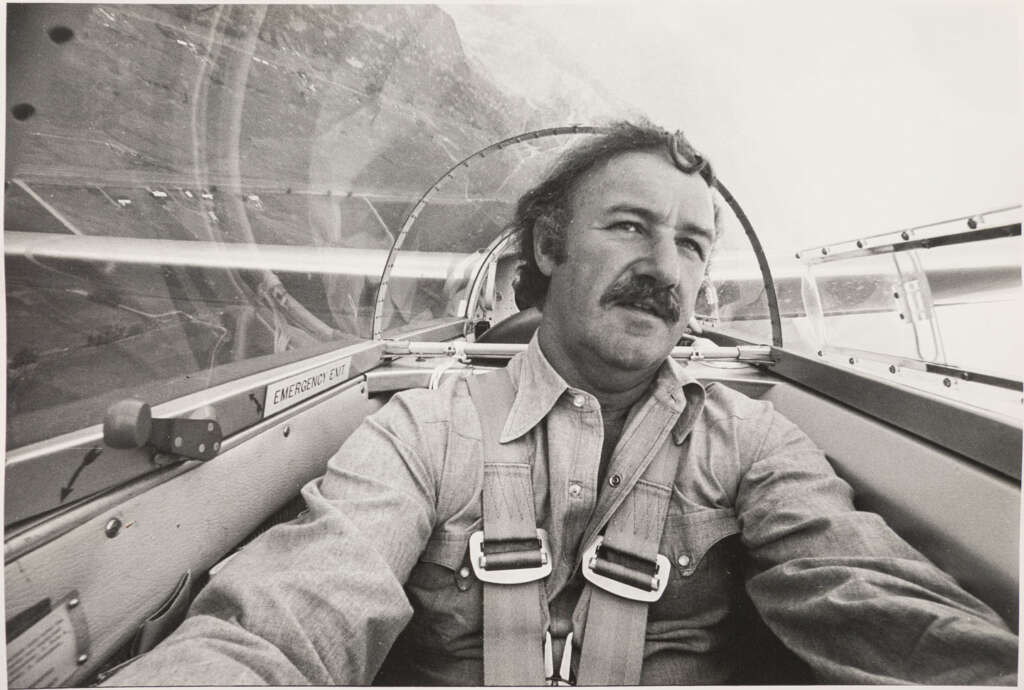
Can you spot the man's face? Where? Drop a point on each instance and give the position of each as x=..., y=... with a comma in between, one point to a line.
x=636, y=247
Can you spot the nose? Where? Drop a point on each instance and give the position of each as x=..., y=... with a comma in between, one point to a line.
x=662, y=261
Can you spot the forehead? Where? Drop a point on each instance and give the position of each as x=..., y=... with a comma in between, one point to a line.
x=649, y=180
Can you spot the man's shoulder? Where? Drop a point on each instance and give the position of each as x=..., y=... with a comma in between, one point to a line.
x=752, y=423
x=448, y=404
x=722, y=403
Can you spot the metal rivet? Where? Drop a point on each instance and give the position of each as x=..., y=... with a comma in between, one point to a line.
x=821, y=353
x=82, y=658
x=209, y=427
x=683, y=560
x=614, y=480
x=902, y=317
x=892, y=368
x=178, y=441
x=112, y=528
x=824, y=251
x=860, y=244
x=463, y=571
x=946, y=382
x=287, y=431
x=852, y=360
x=202, y=447
x=72, y=603
x=905, y=235
x=575, y=490
x=896, y=295
x=797, y=255
x=216, y=445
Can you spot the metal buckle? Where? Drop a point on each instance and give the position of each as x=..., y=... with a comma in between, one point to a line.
x=564, y=667
x=659, y=580
x=508, y=576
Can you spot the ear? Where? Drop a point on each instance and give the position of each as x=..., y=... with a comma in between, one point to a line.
x=543, y=246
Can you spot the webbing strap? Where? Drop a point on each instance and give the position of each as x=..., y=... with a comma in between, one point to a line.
x=616, y=629
x=513, y=614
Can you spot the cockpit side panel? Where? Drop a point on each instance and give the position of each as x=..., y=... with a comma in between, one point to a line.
x=187, y=523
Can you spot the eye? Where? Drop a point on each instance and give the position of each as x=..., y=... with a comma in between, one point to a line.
x=691, y=245
x=630, y=226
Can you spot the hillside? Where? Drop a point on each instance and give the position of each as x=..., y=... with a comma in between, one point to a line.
x=313, y=125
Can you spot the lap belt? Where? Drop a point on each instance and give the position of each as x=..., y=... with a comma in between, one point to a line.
x=623, y=569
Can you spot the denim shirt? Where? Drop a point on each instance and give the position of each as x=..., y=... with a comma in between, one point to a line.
x=759, y=529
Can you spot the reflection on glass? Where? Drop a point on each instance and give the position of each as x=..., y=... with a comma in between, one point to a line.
x=949, y=305
x=733, y=299
x=975, y=290
x=463, y=214
x=945, y=311
x=226, y=182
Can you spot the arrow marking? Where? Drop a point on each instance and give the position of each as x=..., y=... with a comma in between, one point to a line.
x=93, y=453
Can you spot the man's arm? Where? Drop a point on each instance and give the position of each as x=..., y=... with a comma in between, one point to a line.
x=318, y=600
x=847, y=594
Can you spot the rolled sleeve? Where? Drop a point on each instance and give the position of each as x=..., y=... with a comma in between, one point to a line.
x=843, y=591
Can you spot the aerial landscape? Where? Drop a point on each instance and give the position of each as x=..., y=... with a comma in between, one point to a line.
x=289, y=125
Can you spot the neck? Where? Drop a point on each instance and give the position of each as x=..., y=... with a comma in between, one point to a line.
x=615, y=389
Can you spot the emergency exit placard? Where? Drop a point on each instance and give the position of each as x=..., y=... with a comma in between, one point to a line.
x=295, y=389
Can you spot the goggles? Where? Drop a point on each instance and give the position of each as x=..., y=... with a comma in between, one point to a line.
x=687, y=159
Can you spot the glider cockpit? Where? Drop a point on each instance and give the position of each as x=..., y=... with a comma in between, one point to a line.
x=193, y=332
x=164, y=489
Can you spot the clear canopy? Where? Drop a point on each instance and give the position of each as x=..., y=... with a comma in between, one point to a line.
x=194, y=193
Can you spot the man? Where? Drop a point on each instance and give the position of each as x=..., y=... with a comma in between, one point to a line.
x=731, y=517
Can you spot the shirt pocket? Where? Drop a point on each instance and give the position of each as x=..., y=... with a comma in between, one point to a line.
x=705, y=562
x=447, y=598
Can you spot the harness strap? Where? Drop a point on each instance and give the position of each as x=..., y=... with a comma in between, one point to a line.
x=513, y=615
x=616, y=627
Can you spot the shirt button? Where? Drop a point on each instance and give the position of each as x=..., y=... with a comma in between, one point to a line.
x=614, y=480
x=578, y=401
x=464, y=572
x=683, y=560
x=575, y=490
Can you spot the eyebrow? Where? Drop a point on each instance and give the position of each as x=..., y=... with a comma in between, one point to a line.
x=650, y=217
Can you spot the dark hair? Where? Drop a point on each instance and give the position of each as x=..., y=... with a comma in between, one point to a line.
x=546, y=210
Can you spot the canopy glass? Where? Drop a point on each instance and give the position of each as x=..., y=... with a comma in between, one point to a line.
x=194, y=193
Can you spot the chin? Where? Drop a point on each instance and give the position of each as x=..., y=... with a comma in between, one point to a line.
x=626, y=354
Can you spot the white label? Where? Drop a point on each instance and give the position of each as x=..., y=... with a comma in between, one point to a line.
x=293, y=390
x=45, y=655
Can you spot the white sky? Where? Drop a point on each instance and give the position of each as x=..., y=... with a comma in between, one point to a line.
x=828, y=120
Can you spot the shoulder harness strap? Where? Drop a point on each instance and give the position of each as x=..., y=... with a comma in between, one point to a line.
x=510, y=555
x=625, y=573
x=624, y=570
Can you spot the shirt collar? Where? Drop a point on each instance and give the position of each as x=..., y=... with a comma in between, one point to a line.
x=676, y=378
x=539, y=386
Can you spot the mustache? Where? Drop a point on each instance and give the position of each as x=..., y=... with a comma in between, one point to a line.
x=663, y=300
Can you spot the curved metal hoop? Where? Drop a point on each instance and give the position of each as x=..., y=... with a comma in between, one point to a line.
x=382, y=288
x=762, y=262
